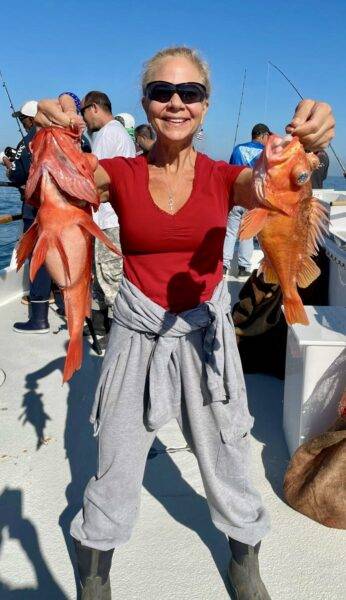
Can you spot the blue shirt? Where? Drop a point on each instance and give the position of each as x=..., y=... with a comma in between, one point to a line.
x=246, y=154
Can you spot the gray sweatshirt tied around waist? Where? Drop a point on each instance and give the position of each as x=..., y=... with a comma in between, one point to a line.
x=137, y=313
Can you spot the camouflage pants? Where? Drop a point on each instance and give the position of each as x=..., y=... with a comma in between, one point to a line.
x=108, y=269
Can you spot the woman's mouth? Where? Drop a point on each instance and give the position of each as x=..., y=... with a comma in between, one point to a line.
x=175, y=120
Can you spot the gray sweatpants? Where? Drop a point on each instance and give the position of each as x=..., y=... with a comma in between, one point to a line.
x=217, y=432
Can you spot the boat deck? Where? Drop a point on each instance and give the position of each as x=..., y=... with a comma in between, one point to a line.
x=47, y=455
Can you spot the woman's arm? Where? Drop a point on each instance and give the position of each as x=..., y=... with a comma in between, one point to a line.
x=102, y=181
x=243, y=194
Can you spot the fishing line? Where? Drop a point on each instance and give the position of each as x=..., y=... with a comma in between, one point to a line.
x=266, y=94
x=300, y=96
x=240, y=105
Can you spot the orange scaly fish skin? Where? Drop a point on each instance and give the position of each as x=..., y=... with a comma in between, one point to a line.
x=61, y=236
x=289, y=223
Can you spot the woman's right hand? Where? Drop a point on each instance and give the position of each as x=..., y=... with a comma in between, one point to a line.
x=59, y=112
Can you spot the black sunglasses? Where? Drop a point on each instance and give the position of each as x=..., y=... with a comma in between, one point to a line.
x=82, y=110
x=162, y=91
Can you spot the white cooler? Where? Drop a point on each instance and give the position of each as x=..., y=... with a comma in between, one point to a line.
x=315, y=374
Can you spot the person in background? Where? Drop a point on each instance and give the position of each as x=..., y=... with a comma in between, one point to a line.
x=145, y=138
x=17, y=173
x=120, y=119
x=243, y=154
x=108, y=139
x=320, y=174
x=129, y=123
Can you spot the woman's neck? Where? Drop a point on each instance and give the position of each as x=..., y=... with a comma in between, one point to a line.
x=172, y=157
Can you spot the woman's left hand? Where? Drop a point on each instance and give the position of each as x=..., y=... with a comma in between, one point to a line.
x=314, y=124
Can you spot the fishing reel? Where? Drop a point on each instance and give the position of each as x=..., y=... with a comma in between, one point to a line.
x=10, y=153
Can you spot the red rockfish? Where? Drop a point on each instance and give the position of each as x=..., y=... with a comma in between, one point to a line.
x=61, y=184
x=290, y=223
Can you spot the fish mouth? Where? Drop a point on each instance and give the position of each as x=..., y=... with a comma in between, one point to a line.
x=282, y=143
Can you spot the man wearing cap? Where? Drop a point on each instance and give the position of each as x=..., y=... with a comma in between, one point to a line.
x=18, y=172
x=243, y=154
x=109, y=138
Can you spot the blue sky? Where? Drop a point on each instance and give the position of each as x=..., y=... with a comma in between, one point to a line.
x=57, y=45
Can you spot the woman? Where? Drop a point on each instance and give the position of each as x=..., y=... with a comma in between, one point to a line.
x=172, y=350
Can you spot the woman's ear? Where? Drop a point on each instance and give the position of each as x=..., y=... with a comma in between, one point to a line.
x=145, y=104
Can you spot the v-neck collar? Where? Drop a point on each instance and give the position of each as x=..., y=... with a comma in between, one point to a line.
x=189, y=199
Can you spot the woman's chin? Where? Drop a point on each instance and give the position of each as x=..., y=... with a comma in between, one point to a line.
x=175, y=136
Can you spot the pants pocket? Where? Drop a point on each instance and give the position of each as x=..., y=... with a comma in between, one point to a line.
x=232, y=458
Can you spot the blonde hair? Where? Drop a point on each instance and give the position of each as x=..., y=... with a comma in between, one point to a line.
x=189, y=53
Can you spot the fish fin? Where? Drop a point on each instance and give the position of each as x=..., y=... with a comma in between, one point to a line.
x=295, y=311
x=94, y=230
x=38, y=256
x=318, y=225
x=74, y=357
x=308, y=272
x=63, y=257
x=252, y=222
x=269, y=274
x=26, y=245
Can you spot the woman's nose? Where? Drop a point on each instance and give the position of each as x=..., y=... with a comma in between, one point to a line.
x=176, y=101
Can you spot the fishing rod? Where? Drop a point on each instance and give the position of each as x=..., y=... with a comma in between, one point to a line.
x=9, y=218
x=300, y=96
x=240, y=105
x=8, y=184
x=11, y=105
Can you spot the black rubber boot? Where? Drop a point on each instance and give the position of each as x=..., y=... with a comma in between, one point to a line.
x=38, y=322
x=93, y=568
x=243, y=272
x=101, y=322
x=243, y=573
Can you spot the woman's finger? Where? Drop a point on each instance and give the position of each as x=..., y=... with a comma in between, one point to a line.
x=313, y=123
x=302, y=114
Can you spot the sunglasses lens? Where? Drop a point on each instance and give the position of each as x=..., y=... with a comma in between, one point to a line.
x=160, y=93
x=191, y=93
x=188, y=92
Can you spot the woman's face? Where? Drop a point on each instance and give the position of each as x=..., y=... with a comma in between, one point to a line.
x=173, y=120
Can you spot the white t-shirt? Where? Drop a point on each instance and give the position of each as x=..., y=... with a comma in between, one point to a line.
x=111, y=140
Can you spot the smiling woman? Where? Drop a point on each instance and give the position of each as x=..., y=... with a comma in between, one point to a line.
x=172, y=352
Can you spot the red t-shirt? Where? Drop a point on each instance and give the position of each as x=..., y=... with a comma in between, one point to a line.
x=175, y=260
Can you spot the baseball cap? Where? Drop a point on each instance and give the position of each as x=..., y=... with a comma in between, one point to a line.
x=260, y=129
x=128, y=120
x=29, y=109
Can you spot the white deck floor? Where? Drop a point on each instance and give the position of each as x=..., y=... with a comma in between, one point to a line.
x=175, y=553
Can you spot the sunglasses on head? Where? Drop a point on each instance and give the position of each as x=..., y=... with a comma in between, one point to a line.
x=162, y=91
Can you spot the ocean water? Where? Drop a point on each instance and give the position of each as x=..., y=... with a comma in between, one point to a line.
x=10, y=203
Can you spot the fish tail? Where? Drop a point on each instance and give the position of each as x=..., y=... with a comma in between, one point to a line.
x=38, y=256
x=74, y=357
x=295, y=311
x=26, y=245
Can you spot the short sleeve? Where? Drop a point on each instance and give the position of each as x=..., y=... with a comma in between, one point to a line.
x=229, y=174
x=236, y=157
x=113, y=168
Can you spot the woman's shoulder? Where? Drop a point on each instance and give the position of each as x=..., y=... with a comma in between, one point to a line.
x=122, y=164
x=220, y=168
